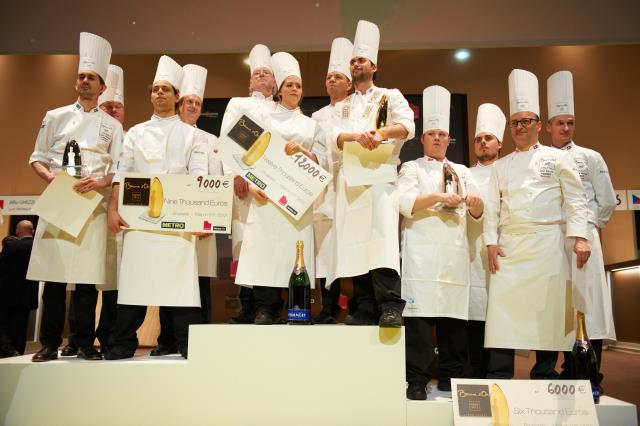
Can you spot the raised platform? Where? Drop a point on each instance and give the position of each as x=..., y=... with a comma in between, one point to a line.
x=240, y=375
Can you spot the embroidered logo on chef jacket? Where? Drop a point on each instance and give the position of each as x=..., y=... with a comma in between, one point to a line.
x=546, y=166
x=581, y=167
x=106, y=133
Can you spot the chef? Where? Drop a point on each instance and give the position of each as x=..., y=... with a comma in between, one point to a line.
x=365, y=225
x=189, y=110
x=259, y=103
x=338, y=85
x=590, y=282
x=533, y=191
x=268, y=229
x=58, y=258
x=158, y=268
x=436, y=197
x=490, y=125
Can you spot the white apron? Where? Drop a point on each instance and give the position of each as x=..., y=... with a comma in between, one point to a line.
x=268, y=248
x=435, y=252
x=530, y=302
x=592, y=280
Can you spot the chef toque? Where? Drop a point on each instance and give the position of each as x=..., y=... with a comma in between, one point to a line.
x=491, y=119
x=284, y=65
x=340, y=57
x=259, y=57
x=560, y=94
x=366, y=41
x=95, y=54
x=169, y=70
x=523, y=92
x=115, y=86
x=194, y=81
x=436, y=103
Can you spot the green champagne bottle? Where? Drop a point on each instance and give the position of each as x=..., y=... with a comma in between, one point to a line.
x=299, y=290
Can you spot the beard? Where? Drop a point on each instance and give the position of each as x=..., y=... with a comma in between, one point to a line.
x=363, y=76
x=487, y=157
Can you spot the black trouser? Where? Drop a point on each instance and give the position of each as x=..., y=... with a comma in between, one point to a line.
x=379, y=289
x=566, y=364
x=501, y=365
x=167, y=335
x=478, y=354
x=13, y=329
x=108, y=314
x=268, y=298
x=131, y=317
x=247, y=302
x=85, y=299
x=452, y=348
x=330, y=298
x=418, y=349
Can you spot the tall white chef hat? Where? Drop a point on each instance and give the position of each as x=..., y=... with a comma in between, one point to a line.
x=169, y=70
x=491, y=119
x=95, y=54
x=340, y=57
x=284, y=65
x=194, y=81
x=366, y=41
x=523, y=92
x=560, y=94
x=260, y=56
x=115, y=86
x=436, y=103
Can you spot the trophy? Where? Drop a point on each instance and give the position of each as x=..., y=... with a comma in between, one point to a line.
x=75, y=169
x=382, y=116
x=450, y=183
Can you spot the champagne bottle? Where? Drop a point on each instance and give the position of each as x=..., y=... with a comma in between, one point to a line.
x=156, y=198
x=258, y=149
x=584, y=362
x=75, y=168
x=299, y=290
x=383, y=113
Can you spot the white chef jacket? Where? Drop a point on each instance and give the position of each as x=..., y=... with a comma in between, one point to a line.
x=159, y=268
x=323, y=206
x=590, y=285
x=532, y=193
x=268, y=249
x=260, y=107
x=435, y=250
x=114, y=241
x=56, y=255
x=366, y=217
x=479, y=274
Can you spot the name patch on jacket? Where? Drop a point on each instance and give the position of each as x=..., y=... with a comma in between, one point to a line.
x=546, y=166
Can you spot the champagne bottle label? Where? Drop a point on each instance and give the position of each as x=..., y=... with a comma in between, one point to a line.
x=297, y=314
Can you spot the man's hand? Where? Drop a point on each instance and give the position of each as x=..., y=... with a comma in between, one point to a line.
x=450, y=200
x=240, y=187
x=115, y=221
x=87, y=184
x=493, y=252
x=367, y=141
x=473, y=200
x=202, y=235
x=258, y=194
x=582, y=250
x=291, y=148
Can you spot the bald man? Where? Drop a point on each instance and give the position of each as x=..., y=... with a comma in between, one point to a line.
x=18, y=296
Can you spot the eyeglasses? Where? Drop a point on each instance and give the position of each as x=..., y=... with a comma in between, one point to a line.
x=525, y=122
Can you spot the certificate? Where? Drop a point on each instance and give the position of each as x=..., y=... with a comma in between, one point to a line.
x=292, y=182
x=364, y=167
x=169, y=202
x=521, y=402
x=65, y=208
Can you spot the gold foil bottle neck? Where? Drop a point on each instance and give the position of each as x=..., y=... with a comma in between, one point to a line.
x=581, y=332
x=156, y=198
x=299, y=265
x=258, y=149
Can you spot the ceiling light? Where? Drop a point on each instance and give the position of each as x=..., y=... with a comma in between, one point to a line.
x=462, y=55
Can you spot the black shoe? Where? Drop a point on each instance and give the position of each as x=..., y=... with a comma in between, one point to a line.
x=390, y=318
x=45, y=354
x=416, y=392
x=325, y=318
x=118, y=352
x=263, y=317
x=8, y=352
x=444, y=385
x=242, y=318
x=184, y=352
x=360, y=319
x=69, y=350
x=89, y=353
x=162, y=350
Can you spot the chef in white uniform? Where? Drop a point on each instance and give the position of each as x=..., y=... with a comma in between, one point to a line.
x=590, y=282
x=112, y=102
x=259, y=103
x=490, y=125
x=268, y=228
x=365, y=226
x=435, y=251
x=189, y=110
x=533, y=191
x=58, y=258
x=158, y=268
x=338, y=85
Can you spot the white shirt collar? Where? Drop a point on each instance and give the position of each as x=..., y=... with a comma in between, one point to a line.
x=531, y=148
x=258, y=95
x=80, y=108
x=367, y=92
x=569, y=146
x=158, y=118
